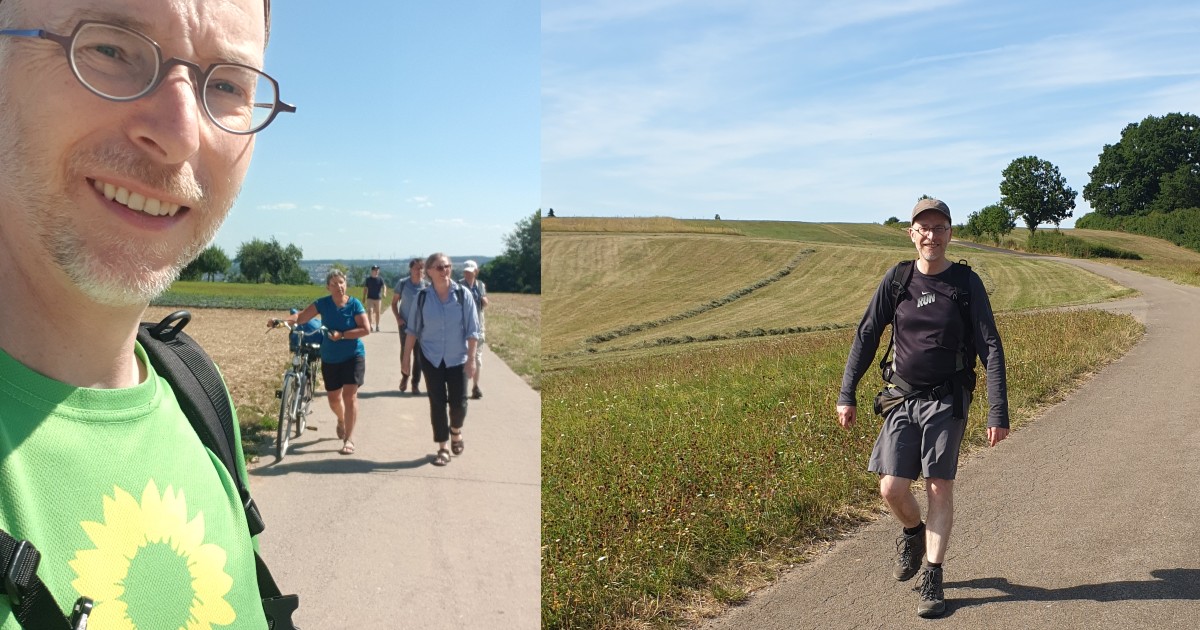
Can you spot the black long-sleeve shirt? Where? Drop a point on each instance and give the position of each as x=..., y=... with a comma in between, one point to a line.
x=928, y=336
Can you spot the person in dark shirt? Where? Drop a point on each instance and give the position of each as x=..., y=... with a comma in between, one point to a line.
x=929, y=388
x=374, y=292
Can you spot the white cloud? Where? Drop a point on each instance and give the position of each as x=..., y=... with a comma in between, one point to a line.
x=374, y=216
x=278, y=206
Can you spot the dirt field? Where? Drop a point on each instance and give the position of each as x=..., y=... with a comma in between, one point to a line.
x=251, y=359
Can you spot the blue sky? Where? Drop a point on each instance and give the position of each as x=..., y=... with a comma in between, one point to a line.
x=417, y=129
x=842, y=111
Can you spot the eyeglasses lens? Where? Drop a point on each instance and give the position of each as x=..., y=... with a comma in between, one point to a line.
x=123, y=65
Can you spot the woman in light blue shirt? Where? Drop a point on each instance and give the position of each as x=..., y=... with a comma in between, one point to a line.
x=446, y=324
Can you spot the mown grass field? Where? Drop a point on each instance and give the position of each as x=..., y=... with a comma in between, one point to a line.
x=677, y=476
x=624, y=291
x=1159, y=258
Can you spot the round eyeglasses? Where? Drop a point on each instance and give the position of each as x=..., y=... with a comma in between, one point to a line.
x=120, y=64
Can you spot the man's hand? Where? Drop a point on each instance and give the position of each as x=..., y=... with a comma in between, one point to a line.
x=847, y=414
x=996, y=435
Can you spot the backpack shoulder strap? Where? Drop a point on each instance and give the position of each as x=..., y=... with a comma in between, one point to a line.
x=204, y=400
x=901, y=275
x=201, y=393
x=32, y=603
x=898, y=277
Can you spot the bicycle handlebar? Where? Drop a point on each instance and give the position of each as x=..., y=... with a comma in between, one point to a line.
x=291, y=326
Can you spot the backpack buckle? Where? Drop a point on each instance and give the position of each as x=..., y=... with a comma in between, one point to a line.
x=81, y=612
x=279, y=611
x=20, y=571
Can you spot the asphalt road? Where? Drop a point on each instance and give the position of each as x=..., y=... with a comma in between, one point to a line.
x=1089, y=517
x=383, y=539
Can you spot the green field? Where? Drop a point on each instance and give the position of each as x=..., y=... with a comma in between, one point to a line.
x=678, y=473
x=1159, y=258
x=264, y=297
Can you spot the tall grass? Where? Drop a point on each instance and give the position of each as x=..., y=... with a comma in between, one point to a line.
x=660, y=473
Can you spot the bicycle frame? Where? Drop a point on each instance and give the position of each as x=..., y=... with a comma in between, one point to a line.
x=299, y=385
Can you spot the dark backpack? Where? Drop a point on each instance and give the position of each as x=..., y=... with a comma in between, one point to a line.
x=203, y=398
x=898, y=279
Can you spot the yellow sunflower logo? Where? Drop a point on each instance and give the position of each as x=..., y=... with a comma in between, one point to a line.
x=141, y=546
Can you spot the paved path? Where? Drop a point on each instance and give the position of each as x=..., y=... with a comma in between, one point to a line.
x=384, y=539
x=1088, y=517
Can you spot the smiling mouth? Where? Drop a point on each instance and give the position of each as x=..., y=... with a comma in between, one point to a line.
x=135, y=201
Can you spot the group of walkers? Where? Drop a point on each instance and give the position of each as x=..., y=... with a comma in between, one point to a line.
x=441, y=338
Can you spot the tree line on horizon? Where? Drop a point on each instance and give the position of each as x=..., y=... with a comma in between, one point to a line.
x=1147, y=183
x=517, y=270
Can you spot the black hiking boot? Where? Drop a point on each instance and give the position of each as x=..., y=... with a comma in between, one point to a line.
x=933, y=599
x=911, y=551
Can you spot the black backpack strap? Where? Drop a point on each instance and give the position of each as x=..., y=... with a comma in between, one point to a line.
x=201, y=393
x=32, y=603
x=204, y=400
x=898, y=278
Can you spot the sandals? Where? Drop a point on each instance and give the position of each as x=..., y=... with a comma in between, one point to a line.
x=457, y=446
x=347, y=448
x=443, y=457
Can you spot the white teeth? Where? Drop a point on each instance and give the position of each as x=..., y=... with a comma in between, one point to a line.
x=135, y=201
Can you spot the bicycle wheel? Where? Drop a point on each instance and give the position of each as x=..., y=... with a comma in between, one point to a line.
x=287, y=414
x=302, y=402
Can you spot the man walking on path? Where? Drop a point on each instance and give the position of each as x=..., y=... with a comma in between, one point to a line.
x=374, y=292
x=479, y=291
x=941, y=319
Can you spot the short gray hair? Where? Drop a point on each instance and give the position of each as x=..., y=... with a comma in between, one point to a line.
x=334, y=273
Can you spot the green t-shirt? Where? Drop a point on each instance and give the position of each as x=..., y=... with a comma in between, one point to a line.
x=125, y=505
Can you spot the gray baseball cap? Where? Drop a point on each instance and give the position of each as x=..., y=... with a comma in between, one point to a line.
x=932, y=204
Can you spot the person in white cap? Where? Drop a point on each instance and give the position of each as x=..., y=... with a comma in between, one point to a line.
x=479, y=291
x=941, y=320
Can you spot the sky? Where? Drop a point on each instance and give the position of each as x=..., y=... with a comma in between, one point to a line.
x=843, y=111
x=417, y=129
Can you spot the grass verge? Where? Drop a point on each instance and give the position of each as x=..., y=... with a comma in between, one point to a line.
x=665, y=477
x=514, y=324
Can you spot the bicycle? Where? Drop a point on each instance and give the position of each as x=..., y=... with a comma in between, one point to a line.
x=299, y=385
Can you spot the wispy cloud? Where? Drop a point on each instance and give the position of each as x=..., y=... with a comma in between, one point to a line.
x=420, y=201
x=779, y=108
x=278, y=206
x=374, y=216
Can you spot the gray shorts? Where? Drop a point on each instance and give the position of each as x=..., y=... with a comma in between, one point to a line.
x=920, y=436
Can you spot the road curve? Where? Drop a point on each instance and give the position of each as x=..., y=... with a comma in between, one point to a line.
x=1088, y=517
x=383, y=539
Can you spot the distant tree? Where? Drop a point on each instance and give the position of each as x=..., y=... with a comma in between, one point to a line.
x=268, y=261
x=718, y=218
x=519, y=268
x=891, y=221
x=1036, y=192
x=211, y=261
x=1154, y=166
x=551, y=215
x=994, y=221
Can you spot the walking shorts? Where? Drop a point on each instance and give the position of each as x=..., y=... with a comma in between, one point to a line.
x=350, y=372
x=920, y=436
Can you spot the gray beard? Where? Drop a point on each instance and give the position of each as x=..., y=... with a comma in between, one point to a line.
x=120, y=277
